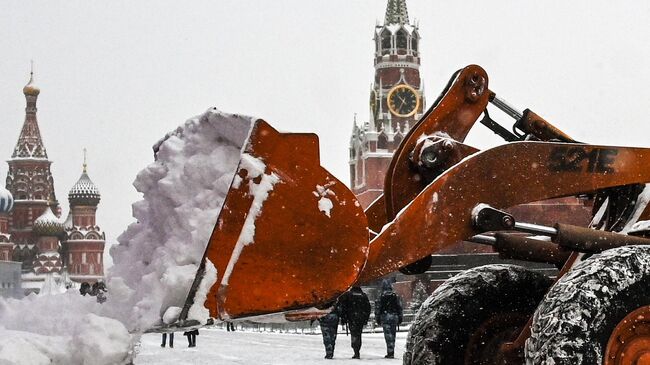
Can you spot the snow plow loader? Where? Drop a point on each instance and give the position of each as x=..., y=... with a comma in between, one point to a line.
x=291, y=236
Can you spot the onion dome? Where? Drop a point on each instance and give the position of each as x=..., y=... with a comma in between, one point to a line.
x=6, y=200
x=84, y=192
x=30, y=88
x=48, y=224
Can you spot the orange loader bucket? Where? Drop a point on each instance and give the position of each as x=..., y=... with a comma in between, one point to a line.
x=289, y=236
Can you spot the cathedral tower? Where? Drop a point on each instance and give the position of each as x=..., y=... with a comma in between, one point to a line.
x=84, y=240
x=396, y=102
x=30, y=182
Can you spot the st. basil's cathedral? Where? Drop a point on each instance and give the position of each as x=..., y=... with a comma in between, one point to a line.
x=53, y=254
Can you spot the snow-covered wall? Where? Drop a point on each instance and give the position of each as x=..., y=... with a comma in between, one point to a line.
x=154, y=263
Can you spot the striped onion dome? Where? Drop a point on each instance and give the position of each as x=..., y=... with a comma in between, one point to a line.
x=84, y=192
x=48, y=224
x=6, y=200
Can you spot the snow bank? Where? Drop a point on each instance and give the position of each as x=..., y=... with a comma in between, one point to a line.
x=60, y=329
x=154, y=263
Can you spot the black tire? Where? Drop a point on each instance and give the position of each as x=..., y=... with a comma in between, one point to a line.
x=574, y=321
x=458, y=311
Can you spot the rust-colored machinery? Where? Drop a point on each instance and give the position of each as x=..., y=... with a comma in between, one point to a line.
x=292, y=236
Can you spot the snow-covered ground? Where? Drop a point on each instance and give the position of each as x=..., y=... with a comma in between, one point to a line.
x=217, y=346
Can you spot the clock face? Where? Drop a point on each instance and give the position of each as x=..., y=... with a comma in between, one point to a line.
x=403, y=101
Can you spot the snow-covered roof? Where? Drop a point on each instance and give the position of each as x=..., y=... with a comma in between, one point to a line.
x=47, y=224
x=393, y=28
x=84, y=192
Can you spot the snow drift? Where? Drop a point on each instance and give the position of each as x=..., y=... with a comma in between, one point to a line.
x=154, y=263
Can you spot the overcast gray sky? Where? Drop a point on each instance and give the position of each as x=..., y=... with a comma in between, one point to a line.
x=116, y=76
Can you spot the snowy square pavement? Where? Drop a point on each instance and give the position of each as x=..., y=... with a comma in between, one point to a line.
x=217, y=346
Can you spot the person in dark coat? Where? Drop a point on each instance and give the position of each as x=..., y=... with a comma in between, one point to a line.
x=388, y=314
x=164, y=340
x=191, y=337
x=355, y=311
x=329, y=325
x=85, y=288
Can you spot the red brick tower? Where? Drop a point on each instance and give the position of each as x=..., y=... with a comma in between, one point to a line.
x=84, y=241
x=30, y=181
x=396, y=102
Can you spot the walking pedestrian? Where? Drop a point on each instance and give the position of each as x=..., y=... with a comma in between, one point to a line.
x=329, y=325
x=171, y=340
x=191, y=337
x=388, y=314
x=355, y=311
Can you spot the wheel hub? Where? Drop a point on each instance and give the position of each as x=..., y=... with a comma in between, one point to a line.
x=629, y=343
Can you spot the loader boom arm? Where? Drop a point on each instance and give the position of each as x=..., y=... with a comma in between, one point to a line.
x=512, y=174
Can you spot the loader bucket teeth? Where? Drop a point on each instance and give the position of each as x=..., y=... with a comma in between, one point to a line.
x=290, y=235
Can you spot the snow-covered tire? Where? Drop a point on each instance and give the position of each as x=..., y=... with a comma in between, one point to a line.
x=450, y=318
x=574, y=321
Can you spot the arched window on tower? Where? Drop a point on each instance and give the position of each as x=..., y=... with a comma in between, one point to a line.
x=385, y=42
x=401, y=41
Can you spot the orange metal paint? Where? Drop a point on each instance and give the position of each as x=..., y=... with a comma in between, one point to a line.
x=501, y=177
x=629, y=343
x=310, y=314
x=455, y=114
x=542, y=129
x=376, y=214
x=299, y=257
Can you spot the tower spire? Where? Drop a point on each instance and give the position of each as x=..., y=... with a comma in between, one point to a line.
x=30, y=143
x=396, y=12
x=85, y=164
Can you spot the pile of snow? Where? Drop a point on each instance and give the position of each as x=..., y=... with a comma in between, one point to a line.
x=183, y=191
x=60, y=329
x=155, y=261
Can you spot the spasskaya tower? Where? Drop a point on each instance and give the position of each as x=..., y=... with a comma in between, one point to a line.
x=396, y=102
